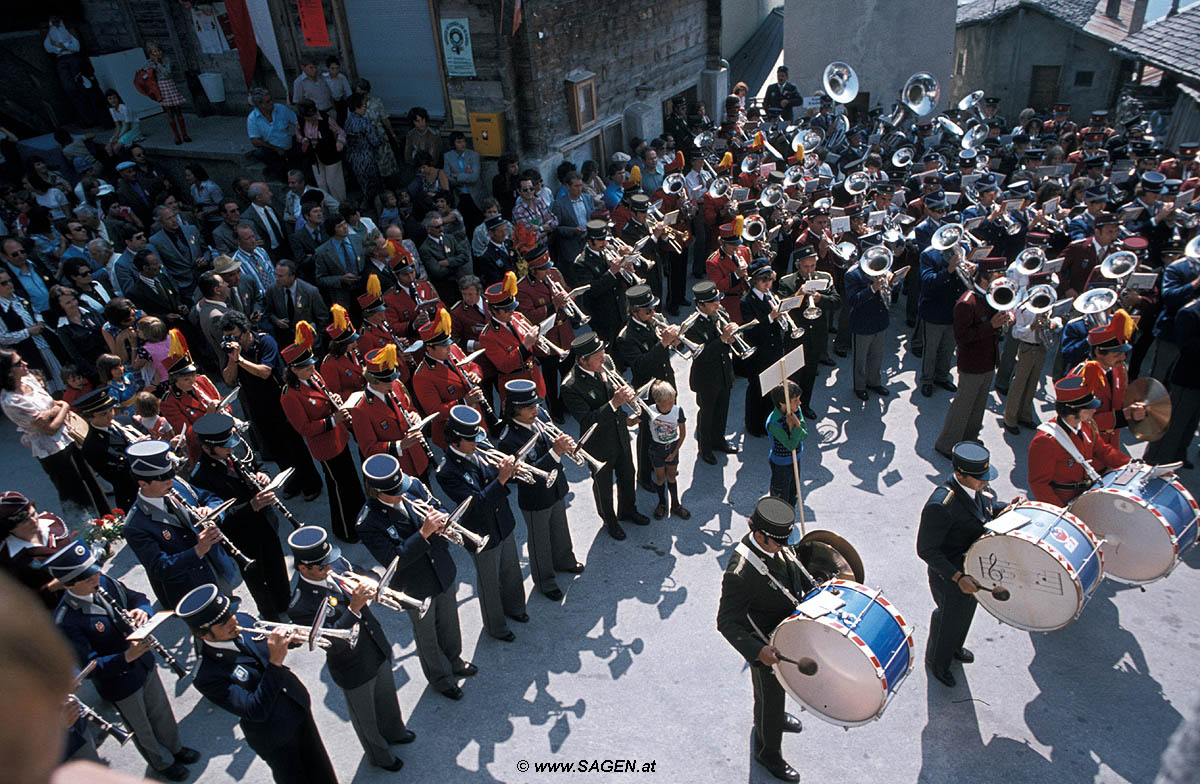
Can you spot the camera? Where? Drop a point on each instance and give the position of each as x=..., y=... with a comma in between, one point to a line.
x=229, y=343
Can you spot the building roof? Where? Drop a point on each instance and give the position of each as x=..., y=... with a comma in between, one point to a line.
x=1085, y=15
x=755, y=61
x=1172, y=43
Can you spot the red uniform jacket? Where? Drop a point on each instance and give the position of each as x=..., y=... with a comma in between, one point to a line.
x=343, y=375
x=310, y=412
x=1079, y=259
x=1172, y=169
x=184, y=408
x=977, y=339
x=373, y=336
x=439, y=387
x=511, y=358
x=379, y=426
x=619, y=217
x=721, y=270
x=402, y=306
x=712, y=211
x=1109, y=389
x=1049, y=464
x=535, y=303
x=466, y=325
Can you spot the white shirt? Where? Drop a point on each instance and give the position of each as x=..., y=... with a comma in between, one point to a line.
x=696, y=183
x=59, y=41
x=22, y=406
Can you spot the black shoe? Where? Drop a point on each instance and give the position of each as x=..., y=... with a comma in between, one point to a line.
x=879, y=390
x=508, y=636
x=841, y=352
x=1031, y=425
x=779, y=769
x=177, y=772
x=310, y=497
x=949, y=386
x=1188, y=464
x=465, y=669
x=791, y=723
x=1001, y=392
x=454, y=693
x=927, y=390
x=708, y=457
x=964, y=655
x=679, y=511
x=614, y=530
x=808, y=412
x=522, y=618
x=728, y=447
x=944, y=453
x=186, y=756
x=1012, y=430
x=943, y=676
x=635, y=517
x=187, y=138
x=553, y=595
x=827, y=362
x=576, y=568
x=660, y=511
x=408, y=737
x=393, y=766
x=861, y=394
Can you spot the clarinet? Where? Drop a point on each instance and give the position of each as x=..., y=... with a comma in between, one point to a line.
x=243, y=561
x=248, y=476
x=113, y=730
x=155, y=645
x=472, y=386
x=420, y=435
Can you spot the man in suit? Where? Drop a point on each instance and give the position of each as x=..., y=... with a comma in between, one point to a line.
x=245, y=293
x=308, y=236
x=1083, y=255
x=339, y=263
x=104, y=448
x=711, y=374
x=363, y=671
x=941, y=286
x=1083, y=225
x=291, y=300
x=153, y=291
x=251, y=523
x=123, y=270
x=497, y=259
x=647, y=356
x=268, y=226
x=1185, y=390
x=604, y=300
x=132, y=193
x=391, y=527
x=246, y=677
x=444, y=257
x=951, y=520
x=213, y=304
x=254, y=259
x=224, y=237
x=591, y=398
x=465, y=474
x=182, y=252
x=1180, y=285
x=572, y=211
x=761, y=587
x=1150, y=221
x=868, y=321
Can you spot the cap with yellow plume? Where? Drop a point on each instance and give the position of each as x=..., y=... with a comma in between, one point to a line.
x=437, y=331
x=726, y=164
x=503, y=296
x=371, y=300
x=341, y=330
x=1115, y=335
x=179, y=359
x=382, y=362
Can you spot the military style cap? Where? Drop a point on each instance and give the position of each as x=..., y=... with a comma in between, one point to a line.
x=215, y=430
x=773, y=518
x=521, y=392
x=973, y=460
x=150, y=459
x=464, y=423
x=382, y=472
x=94, y=402
x=311, y=547
x=705, y=291
x=72, y=563
x=203, y=607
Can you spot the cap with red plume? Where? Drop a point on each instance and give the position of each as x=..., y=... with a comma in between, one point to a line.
x=179, y=359
x=299, y=353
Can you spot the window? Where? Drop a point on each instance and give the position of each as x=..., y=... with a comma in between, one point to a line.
x=581, y=98
x=960, y=62
x=1084, y=78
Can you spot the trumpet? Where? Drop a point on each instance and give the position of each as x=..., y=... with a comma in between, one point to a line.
x=450, y=528
x=795, y=330
x=202, y=519
x=681, y=346
x=154, y=644
x=673, y=236
x=623, y=255
x=525, y=473
x=297, y=633
x=740, y=346
x=577, y=454
x=618, y=381
x=571, y=309
x=388, y=597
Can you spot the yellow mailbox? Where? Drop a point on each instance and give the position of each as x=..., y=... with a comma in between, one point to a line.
x=487, y=131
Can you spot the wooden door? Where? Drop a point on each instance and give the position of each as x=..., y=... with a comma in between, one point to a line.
x=1043, y=87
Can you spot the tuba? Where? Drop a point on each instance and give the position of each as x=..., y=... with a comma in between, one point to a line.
x=903, y=157
x=840, y=82
x=974, y=136
x=920, y=93
x=1031, y=261
x=673, y=184
x=1119, y=265
x=721, y=188
x=970, y=103
x=857, y=183
x=1095, y=304
x=1002, y=295
x=772, y=196
x=949, y=126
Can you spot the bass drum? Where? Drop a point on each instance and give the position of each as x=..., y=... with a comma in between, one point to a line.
x=861, y=644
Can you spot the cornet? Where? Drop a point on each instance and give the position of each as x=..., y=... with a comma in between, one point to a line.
x=740, y=346
x=571, y=310
x=682, y=346
x=794, y=330
x=297, y=633
x=526, y=473
x=450, y=528
x=577, y=454
x=618, y=381
x=388, y=597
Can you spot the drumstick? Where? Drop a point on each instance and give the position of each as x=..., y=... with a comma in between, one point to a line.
x=805, y=665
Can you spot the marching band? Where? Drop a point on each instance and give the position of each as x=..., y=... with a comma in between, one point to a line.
x=803, y=228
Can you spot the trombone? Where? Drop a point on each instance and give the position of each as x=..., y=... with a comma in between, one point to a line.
x=388, y=597
x=577, y=454
x=319, y=637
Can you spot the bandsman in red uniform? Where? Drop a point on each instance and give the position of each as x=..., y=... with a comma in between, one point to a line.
x=1061, y=124
x=314, y=413
x=342, y=367
x=410, y=302
x=716, y=209
x=440, y=382
x=1183, y=166
x=377, y=331
x=468, y=318
x=1106, y=377
x=382, y=421
x=509, y=340
x=541, y=294
x=727, y=268
x=1055, y=474
x=190, y=394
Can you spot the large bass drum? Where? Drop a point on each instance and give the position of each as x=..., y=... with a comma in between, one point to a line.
x=862, y=646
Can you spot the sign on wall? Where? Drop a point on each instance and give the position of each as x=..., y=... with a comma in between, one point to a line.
x=312, y=24
x=456, y=47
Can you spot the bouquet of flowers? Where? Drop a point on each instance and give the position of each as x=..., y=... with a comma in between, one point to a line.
x=103, y=531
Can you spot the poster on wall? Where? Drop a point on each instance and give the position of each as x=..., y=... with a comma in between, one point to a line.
x=211, y=25
x=312, y=23
x=456, y=47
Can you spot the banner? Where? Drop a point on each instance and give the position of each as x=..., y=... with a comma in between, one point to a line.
x=312, y=24
x=456, y=47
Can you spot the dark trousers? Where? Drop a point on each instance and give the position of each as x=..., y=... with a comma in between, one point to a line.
x=949, y=623
x=553, y=371
x=806, y=377
x=76, y=484
x=602, y=480
x=769, y=714
x=677, y=271
x=714, y=411
x=267, y=577
x=645, y=474
x=1185, y=415
x=302, y=759
x=758, y=407
x=783, y=482
x=345, y=494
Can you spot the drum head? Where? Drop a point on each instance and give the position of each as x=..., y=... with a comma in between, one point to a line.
x=1137, y=546
x=846, y=689
x=1043, y=596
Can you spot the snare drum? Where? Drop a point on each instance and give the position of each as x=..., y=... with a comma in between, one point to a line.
x=1047, y=559
x=861, y=644
x=1146, y=522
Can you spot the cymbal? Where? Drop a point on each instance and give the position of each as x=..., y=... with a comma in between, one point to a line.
x=1158, y=408
x=828, y=555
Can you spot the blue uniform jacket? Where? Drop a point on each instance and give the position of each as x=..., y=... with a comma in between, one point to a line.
x=490, y=513
x=1081, y=226
x=426, y=568
x=538, y=496
x=940, y=288
x=349, y=666
x=1074, y=347
x=868, y=311
x=1177, y=291
x=98, y=637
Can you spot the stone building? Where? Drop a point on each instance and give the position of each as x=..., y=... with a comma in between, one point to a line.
x=1165, y=57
